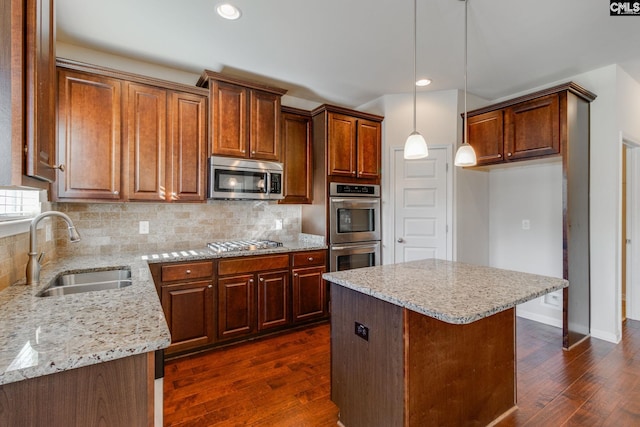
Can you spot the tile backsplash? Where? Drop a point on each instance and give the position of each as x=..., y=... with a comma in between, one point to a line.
x=114, y=227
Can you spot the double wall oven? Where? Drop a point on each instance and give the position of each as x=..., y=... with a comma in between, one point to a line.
x=354, y=226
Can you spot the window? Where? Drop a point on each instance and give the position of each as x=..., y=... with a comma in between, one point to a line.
x=18, y=204
x=17, y=207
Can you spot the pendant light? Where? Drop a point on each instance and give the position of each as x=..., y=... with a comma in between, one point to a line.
x=415, y=146
x=466, y=155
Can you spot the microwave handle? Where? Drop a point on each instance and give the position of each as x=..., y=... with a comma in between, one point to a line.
x=268, y=186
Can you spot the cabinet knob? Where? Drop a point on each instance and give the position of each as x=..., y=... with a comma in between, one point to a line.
x=116, y=192
x=310, y=258
x=295, y=274
x=250, y=280
x=353, y=173
x=253, y=152
x=499, y=155
x=60, y=167
x=508, y=154
x=210, y=286
x=262, y=279
x=188, y=272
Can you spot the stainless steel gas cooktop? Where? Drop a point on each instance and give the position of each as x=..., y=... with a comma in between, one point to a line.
x=242, y=245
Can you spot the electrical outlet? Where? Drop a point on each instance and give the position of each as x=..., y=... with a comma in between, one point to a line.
x=278, y=224
x=144, y=227
x=553, y=299
x=362, y=331
x=526, y=224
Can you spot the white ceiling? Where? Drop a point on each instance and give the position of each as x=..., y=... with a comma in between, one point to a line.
x=349, y=52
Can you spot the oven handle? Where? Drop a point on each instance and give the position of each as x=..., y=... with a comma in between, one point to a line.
x=354, y=200
x=341, y=248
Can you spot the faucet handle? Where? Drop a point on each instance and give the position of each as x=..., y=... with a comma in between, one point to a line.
x=40, y=257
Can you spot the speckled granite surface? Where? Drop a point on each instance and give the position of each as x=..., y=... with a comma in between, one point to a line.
x=41, y=336
x=453, y=292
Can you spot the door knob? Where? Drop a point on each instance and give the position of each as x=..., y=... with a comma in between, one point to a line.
x=400, y=240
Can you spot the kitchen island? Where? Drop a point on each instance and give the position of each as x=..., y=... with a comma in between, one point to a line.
x=427, y=342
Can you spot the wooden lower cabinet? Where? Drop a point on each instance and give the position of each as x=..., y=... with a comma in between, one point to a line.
x=273, y=300
x=114, y=393
x=236, y=306
x=216, y=302
x=188, y=308
x=309, y=293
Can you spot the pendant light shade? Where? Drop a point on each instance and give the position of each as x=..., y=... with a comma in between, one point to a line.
x=415, y=147
x=466, y=155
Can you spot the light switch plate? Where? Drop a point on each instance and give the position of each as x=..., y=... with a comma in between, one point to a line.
x=144, y=227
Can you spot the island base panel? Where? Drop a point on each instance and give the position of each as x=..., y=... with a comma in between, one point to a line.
x=415, y=370
x=459, y=374
x=366, y=376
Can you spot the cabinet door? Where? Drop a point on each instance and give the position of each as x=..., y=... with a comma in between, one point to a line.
x=297, y=161
x=533, y=128
x=89, y=140
x=146, y=136
x=273, y=299
x=188, y=308
x=486, y=136
x=369, y=142
x=342, y=145
x=236, y=306
x=187, y=146
x=264, y=139
x=40, y=101
x=309, y=293
x=229, y=127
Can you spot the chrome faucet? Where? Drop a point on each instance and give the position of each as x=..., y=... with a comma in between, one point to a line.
x=33, y=265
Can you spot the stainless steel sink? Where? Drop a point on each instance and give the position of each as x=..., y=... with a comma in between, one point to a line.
x=87, y=281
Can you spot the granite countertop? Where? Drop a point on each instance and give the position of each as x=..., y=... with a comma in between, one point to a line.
x=46, y=335
x=453, y=292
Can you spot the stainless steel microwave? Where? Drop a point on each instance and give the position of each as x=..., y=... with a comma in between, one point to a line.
x=242, y=179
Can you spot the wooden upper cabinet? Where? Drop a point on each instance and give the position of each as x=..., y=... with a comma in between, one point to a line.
x=245, y=119
x=146, y=131
x=369, y=147
x=296, y=156
x=40, y=97
x=342, y=145
x=487, y=137
x=528, y=127
x=229, y=118
x=89, y=137
x=264, y=135
x=351, y=141
x=533, y=128
x=160, y=155
x=187, y=163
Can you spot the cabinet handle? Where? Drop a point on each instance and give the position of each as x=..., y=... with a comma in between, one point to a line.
x=116, y=192
x=353, y=173
x=508, y=154
x=253, y=152
x=250, y=280
x=188, y=272
x=60, y=167
x=499, y=155
x=295, y=274
x=310, y=258
x=262, y=279
x=210, y=286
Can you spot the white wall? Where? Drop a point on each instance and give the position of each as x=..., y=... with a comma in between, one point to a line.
x=531, y=192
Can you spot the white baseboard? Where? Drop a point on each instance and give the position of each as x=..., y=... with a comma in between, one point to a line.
x=538, y=318
x=606, y=336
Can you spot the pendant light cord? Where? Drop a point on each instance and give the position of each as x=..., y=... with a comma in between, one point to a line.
x=415, y=42
x=466, y=126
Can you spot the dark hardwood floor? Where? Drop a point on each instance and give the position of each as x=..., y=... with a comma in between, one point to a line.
x=284, y=381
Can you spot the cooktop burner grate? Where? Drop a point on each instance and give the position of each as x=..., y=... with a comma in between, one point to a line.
x=242, y=245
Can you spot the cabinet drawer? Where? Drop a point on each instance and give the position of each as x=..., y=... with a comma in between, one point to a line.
x=303, y=259
x=183, y=271
x=252, y=264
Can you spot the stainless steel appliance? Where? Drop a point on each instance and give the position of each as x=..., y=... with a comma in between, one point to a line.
x=354, y=255
x=242, y=245
x=242, y=179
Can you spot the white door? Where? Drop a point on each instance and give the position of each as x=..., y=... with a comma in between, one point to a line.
x=420, y=209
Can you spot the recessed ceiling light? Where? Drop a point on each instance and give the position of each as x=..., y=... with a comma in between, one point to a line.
x=423, y=82
x=228, y=11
